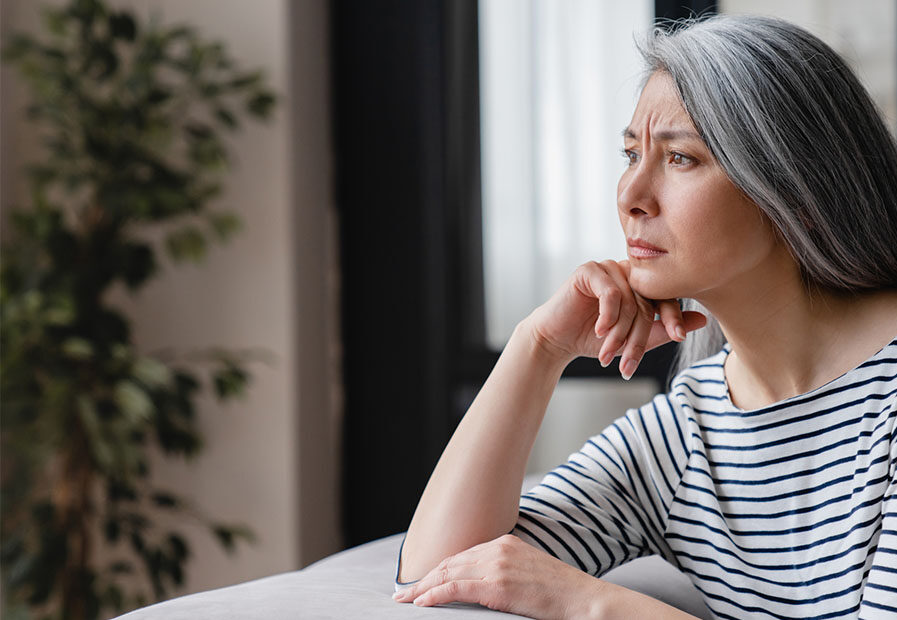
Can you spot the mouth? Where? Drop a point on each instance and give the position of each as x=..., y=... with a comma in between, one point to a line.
x=639, y=248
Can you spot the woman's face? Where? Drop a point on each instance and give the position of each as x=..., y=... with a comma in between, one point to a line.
x=690, y=232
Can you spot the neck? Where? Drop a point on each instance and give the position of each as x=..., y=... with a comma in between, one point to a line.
x=787, y=340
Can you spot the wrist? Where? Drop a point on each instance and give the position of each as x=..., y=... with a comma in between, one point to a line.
x=540, y=347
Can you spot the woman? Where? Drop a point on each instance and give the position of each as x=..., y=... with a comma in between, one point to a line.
x=761, y=182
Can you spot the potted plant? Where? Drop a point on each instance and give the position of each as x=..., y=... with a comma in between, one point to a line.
x=131, y=117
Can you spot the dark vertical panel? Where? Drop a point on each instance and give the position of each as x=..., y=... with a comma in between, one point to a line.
x=388, y=82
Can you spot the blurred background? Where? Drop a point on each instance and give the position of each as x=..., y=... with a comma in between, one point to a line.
x=433, y=171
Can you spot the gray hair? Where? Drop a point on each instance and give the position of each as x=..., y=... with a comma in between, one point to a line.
x=797, y=133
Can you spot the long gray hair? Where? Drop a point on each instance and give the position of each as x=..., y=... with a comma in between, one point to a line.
x=794, y=130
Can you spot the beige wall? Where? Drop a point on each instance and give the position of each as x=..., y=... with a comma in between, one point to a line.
x=271, y=460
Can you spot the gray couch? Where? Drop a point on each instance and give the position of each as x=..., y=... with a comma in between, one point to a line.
x=358, y=583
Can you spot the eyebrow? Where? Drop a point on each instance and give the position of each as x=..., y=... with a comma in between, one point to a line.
x=665, y=135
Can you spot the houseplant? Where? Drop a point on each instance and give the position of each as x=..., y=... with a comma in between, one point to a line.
x=132, y=116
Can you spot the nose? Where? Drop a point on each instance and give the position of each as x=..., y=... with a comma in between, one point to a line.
x=635, y=192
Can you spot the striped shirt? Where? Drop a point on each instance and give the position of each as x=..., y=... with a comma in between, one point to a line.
x=788, y=511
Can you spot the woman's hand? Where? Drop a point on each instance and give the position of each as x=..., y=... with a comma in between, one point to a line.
x=597, y=314
x=507, y=574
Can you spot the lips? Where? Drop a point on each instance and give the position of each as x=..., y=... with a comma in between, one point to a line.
x=639, y=248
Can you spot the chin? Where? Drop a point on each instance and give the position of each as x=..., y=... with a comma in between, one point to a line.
x=651, y=285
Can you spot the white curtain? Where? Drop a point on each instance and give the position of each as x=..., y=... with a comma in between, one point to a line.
x=558, y=82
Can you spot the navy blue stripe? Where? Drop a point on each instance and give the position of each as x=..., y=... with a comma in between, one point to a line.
x=791, y=530
x=879, y=606
x=701, y=395
x=595, y=534
x=797, y=493
x=798, y=455
x=801, y=583
x=635, y=510
x=658, y=512
x=666, y=442
x=839, y=408
x=678, y=429
x=661, y=468
x=876, y=520
x=878, y=586
x=790, y=600
x=777, y=567
x=547, y=549
x=755, y=610
x=785, y=404
x=869, y=415
x=618, y=520
x=563, y=543
x=797, y=474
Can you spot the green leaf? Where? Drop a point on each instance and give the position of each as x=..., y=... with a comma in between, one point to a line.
x=133, y=402
x=226, y=117
x=227, y=535
x=224, y=224
x=122, y=26
x=247, y=80
x=152, y=373
x=112, y=530
x=165, y=500
x=137, y=263
x=90, y=420
x=55, y=21
x=230, y=381
x=121, y=568
x=186, y=244
x=18, y=47
x=61, y=312
x=261, y=104
x=158, y=95
x=77, y=348
x=178, y=546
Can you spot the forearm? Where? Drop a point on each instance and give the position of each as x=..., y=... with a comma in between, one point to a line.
x=474, y=491
x=613, y=602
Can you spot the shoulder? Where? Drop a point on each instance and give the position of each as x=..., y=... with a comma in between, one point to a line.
x=702, y=386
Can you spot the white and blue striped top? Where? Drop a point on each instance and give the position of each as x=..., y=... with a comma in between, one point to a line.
x=789, y=511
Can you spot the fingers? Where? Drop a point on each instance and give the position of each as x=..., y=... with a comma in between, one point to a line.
x=619, y=307
x=626, y=324
x=660, y=334
x=447, y=571
x=671, y=318
x=636, y=342
x=463, y=591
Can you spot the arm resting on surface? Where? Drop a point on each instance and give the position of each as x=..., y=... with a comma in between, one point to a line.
x=473, y=494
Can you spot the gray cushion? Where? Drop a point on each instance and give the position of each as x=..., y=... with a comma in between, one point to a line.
x=358, y=583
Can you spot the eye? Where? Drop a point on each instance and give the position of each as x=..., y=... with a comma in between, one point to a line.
x=630, y=155
x=678, y=159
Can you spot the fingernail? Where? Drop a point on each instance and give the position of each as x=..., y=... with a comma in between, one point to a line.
x=602, y=362
x=680, y=331
x=628, y=368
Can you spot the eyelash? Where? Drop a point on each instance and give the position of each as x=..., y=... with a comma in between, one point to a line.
x=686, y=160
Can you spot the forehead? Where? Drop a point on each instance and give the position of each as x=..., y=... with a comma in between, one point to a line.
x=659, y=108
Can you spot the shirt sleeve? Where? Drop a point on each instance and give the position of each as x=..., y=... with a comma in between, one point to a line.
x=400, y=584
x=609, y=503
x=880, y=592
